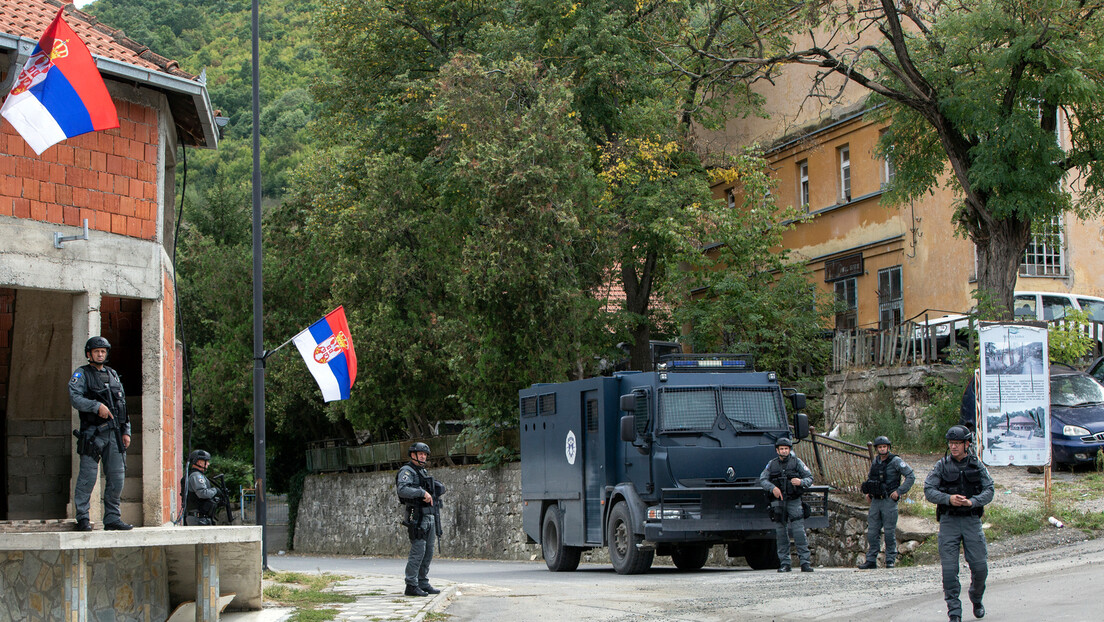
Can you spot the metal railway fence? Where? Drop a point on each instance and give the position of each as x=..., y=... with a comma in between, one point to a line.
x=917, y=343
x=837, y=463
x=447, y=449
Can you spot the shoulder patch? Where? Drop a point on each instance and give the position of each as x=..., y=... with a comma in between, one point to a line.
x=76, y=377
x=406, y=477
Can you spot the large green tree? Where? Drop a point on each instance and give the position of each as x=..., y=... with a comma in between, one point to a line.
x=497, y=164
x=974, y=86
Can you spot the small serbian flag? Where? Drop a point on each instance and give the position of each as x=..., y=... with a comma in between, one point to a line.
x=327, y=349
x=59, y=93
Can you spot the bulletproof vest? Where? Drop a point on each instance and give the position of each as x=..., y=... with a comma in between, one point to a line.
x=878, y=475
x=424, y=481
x=960, y=479
x=203, y=507
x=109, y=393
x=780, y=475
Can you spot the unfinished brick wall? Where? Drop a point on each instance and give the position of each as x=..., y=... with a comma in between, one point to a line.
x=108, y=177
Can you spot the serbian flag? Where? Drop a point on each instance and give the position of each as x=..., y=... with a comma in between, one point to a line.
x=59, y=93
x=328, y=351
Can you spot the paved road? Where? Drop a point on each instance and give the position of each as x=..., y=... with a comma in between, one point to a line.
x=1055, y=585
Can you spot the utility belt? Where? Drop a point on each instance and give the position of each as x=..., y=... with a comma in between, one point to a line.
x=411, y=518
x=89, y=442
x=875, y=489
x=774, y=512
x=957, y=510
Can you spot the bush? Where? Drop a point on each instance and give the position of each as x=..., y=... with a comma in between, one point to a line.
x=945, y=400
x=877, y=415
x=239, y=474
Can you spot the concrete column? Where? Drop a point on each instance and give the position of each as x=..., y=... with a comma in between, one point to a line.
x=75, y=585
x=86, y=324
x=207, y=583
x=154, y=396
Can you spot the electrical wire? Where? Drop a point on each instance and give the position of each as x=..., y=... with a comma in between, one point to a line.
x=187, y=393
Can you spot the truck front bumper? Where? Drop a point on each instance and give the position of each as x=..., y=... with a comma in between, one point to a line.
x=722, y=513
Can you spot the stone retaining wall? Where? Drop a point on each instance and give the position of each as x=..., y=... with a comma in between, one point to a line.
x=357, y=514
x=846, y=395
x=31, y=585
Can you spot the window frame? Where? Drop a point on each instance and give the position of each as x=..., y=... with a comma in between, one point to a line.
x=848, y=318
x=803, y=193
x=1045, y=254
x=891, y=297
x=843, y=158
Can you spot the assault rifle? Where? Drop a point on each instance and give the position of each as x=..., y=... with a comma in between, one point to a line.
x=222, y=500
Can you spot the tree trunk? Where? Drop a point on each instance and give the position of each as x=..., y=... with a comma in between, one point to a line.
x=638, y=293
x=1000, y=249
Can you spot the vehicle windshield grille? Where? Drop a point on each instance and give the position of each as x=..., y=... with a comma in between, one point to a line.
x=687, y=409
x=759, y=408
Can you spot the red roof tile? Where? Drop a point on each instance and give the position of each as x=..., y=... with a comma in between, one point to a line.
x=29, y=18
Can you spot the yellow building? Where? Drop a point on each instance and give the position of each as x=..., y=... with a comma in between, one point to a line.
x=888, y=263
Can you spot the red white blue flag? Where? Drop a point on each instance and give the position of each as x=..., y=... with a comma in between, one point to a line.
x=59, y=93
x=327, y=349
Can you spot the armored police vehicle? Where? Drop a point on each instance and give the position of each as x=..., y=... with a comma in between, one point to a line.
x=657, y=463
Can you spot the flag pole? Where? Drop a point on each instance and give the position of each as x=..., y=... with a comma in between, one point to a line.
x=258, y=303
x=269, y=353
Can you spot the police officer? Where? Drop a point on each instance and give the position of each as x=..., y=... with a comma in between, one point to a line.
x=202, y=498
x=960, y=486
x=785, y=478
x=883, y=487
x=96, y=392
x=420, y=496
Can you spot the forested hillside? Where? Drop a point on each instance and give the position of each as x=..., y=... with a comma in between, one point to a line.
x=214, y=35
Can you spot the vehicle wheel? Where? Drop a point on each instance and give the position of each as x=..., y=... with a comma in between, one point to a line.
x=761, y=554
x=690, y=556
x=558, y=557
x=624, y=554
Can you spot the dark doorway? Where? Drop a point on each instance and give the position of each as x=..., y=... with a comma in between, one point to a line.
x=7, y=320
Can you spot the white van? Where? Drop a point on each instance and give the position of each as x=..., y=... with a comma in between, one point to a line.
x=1052, y=306
x=1046, y=306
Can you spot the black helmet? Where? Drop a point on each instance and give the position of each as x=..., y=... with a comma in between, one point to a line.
x=882, y=440
x=96, y=342
x=959, y=433
x=198, y=455
x=783, y=442
x=418, y=447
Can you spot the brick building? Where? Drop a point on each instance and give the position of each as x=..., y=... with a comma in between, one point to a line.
x=118, y=283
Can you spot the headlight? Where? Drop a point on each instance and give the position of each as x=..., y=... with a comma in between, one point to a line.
x=673, y=513
x=1074, y=430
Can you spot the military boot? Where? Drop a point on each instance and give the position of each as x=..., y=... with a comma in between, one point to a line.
x=868, y=566
x=414, y=590
x=979, y=611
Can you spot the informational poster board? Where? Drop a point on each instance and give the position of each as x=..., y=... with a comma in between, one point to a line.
x=1014, y=420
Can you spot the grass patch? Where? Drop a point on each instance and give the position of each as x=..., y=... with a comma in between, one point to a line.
x=1065, y=496
x=293, y=596
x=1004, y=522
x=914, y=503
x=314, y=615
x=307, y=593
